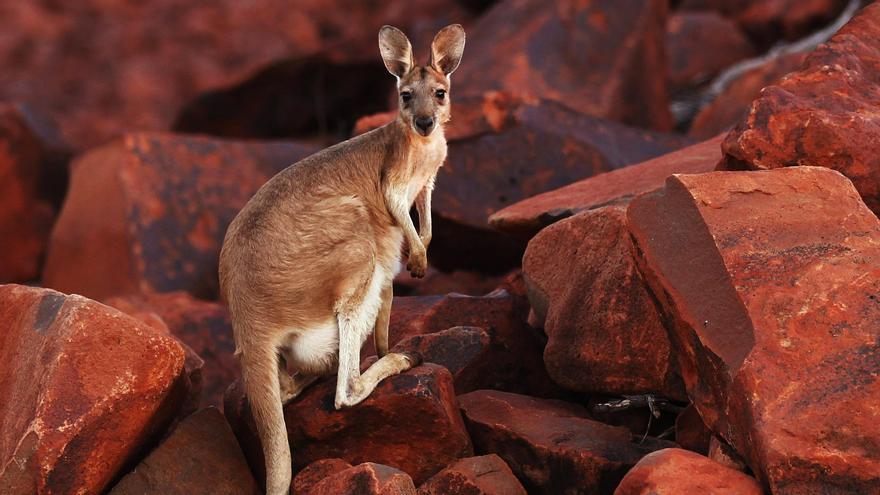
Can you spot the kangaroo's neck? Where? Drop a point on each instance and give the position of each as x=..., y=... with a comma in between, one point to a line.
x=418, y=151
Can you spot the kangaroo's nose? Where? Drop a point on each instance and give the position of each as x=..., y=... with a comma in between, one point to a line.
x=424, y=123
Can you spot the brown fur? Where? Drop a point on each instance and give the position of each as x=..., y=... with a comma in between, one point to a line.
x=306, y=266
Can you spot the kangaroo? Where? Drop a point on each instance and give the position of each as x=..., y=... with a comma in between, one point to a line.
x=307, y=265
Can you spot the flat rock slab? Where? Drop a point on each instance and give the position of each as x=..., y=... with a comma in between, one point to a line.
x=824, y=114
x=677, y=471
x=200, y=456
x=770, y=283
x=525, y=218
x=605, y=333
x=483, y=475
x=86, y=389
x=411, y=422
x=148, y=212
x=588, y=55
x=550, y=445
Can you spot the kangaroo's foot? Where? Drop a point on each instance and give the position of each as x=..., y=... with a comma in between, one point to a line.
x=361, y=387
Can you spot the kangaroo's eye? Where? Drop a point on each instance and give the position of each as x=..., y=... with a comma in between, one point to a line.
x=440, y=94
x=406, y=96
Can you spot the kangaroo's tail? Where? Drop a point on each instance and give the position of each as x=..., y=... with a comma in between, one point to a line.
x=261, y=384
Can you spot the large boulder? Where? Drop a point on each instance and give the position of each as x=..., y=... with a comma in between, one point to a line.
x=591, y=56
x=483, y=475
x=677, y=471
x=699, y=45
x=550, y=445
x=148, y=212
x=822, y=115
x=33, y=177
x=85, y=387
x=525, y=218
x=411, y=422
x=102, y=68
x=203, y=326
x=200, y=456
x=605, y=333
x=769, y=282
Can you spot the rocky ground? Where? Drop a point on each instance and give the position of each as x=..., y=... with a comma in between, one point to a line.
x=623, y=297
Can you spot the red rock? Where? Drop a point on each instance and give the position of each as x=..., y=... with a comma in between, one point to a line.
x=822, y=115
x=85, y=389
x=200, y=456
x=699, y=45
x=768, y=280
x=605, y=334
x=690, y=431
x=314, y=473
x=732, y=104
x=106, y=67
x=202, y=325
x=586, y=55
x=464, y=351
x=676, y=471
x=525, y=218
x=147, y=213
x=512, y=361
x=483, y=475
x=366, y=479
x=410, y=422
x=33, y=177
x=550, y=445
x=770, y=20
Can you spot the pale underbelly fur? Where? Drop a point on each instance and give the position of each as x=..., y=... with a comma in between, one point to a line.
x=314, y=350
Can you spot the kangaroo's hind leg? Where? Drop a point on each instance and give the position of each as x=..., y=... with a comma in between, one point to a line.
x=356, y=318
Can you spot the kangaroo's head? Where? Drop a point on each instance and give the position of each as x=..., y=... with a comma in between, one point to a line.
x=423, y=91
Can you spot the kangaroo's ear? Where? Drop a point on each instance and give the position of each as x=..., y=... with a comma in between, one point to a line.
x=447, y=48
x=396, y=51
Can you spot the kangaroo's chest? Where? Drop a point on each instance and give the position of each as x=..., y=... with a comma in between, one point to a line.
x=423, y=166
